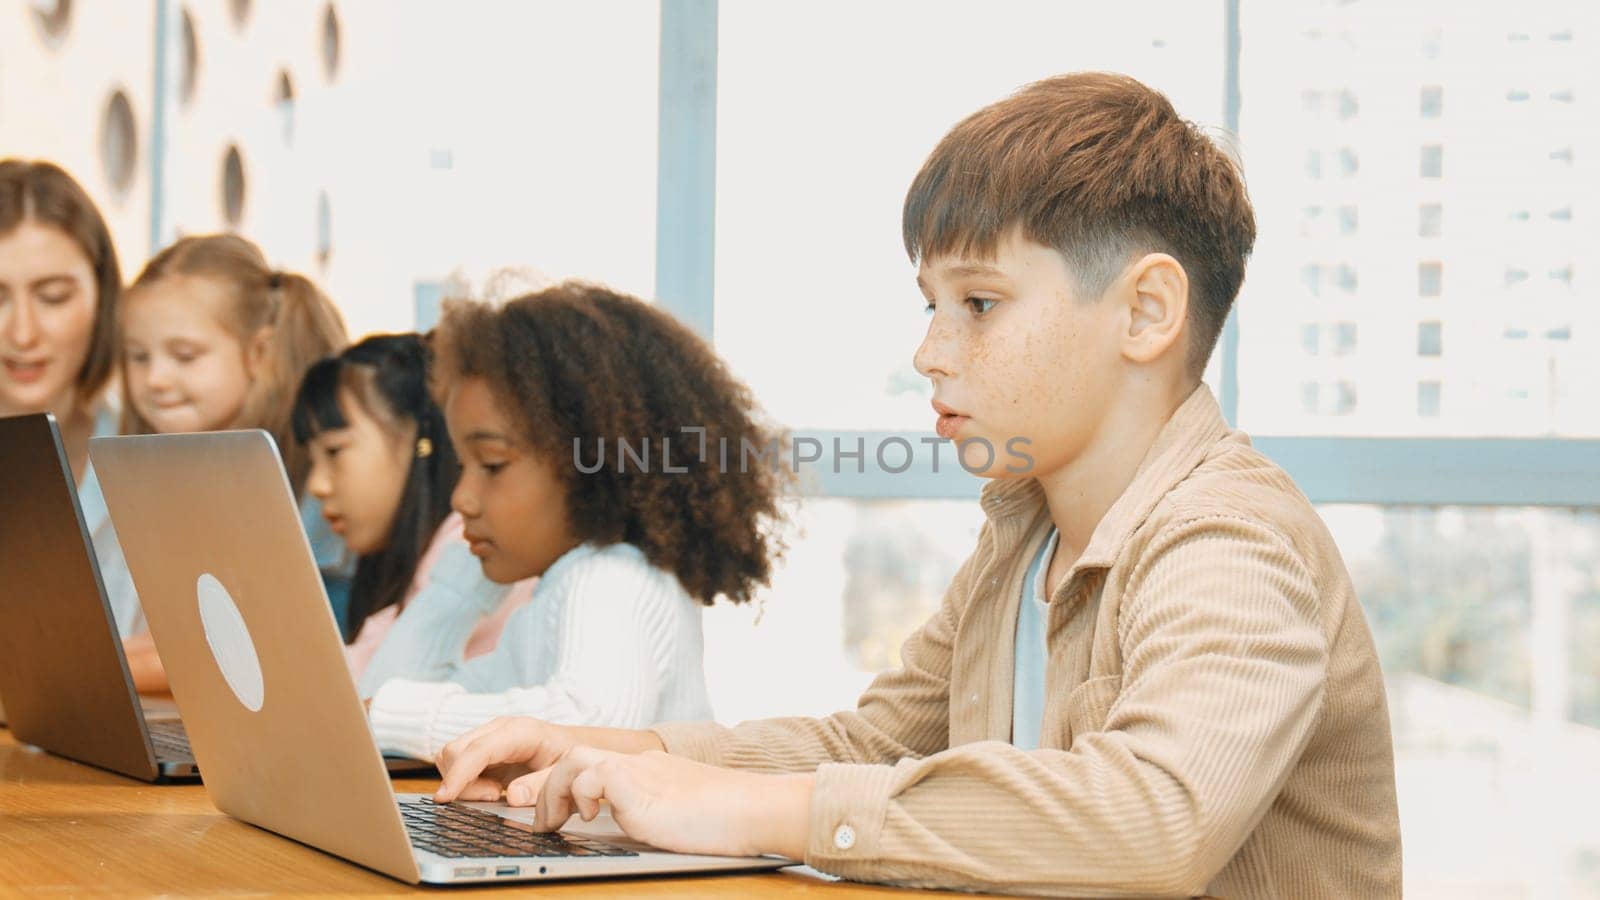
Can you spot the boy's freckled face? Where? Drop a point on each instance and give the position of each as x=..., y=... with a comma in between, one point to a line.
x=1015, y=354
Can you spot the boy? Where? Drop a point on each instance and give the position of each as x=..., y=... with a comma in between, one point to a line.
x=1152, y=677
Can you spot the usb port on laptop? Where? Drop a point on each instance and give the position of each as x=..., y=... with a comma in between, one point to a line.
x=505, y=871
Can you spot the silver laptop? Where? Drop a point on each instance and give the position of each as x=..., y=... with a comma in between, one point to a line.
x=63, y=675
x=214, y=542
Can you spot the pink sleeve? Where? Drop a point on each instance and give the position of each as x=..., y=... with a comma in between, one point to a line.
x=450, y=530
x=359, y=652
x=486, y=636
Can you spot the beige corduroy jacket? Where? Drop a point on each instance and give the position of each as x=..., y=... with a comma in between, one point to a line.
x=1215, y=719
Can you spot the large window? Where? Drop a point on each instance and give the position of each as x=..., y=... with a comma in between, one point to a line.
x=1416, y=343
x=1463, y=273
x=825, y=111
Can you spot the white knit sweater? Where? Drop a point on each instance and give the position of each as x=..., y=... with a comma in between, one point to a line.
x=608, y=639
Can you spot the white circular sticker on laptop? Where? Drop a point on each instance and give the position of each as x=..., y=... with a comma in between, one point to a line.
x=230, y=642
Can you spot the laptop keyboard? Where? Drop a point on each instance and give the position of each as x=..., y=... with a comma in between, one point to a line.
x=464, y=831
x=170, y=740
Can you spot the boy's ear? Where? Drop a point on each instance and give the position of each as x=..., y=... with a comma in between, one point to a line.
x=1158, y=307
x=257, y=354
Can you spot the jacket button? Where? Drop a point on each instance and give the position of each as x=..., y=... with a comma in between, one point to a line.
x=844, y=837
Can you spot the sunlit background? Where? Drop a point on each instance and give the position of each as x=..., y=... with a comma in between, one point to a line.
x=1418, y=341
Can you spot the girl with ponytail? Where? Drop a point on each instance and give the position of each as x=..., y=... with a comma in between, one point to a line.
x=383, y=469
x=214, y=338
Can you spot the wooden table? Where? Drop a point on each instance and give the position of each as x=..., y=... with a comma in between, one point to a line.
x=69, y=829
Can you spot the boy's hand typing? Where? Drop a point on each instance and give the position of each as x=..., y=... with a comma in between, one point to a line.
x=668, y=802
x=509, y=755
x=679, y=804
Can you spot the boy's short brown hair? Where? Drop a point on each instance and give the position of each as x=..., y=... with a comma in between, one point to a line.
x=1100, y=167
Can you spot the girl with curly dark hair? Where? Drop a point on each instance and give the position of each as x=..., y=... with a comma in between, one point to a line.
x=589, y=426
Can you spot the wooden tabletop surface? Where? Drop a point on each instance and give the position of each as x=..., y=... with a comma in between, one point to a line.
x=68, y=829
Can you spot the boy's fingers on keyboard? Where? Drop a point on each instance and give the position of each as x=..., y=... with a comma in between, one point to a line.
x=459, y=771
x=552, y=808
x=451, y=751
x=481, y=789
x=525, y=790
x=505, y=773
x=501, y=741
x=555, y=800
x=588, y=789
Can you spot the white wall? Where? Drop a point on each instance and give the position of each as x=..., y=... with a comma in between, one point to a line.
x=459, y=136
x=53, y=97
